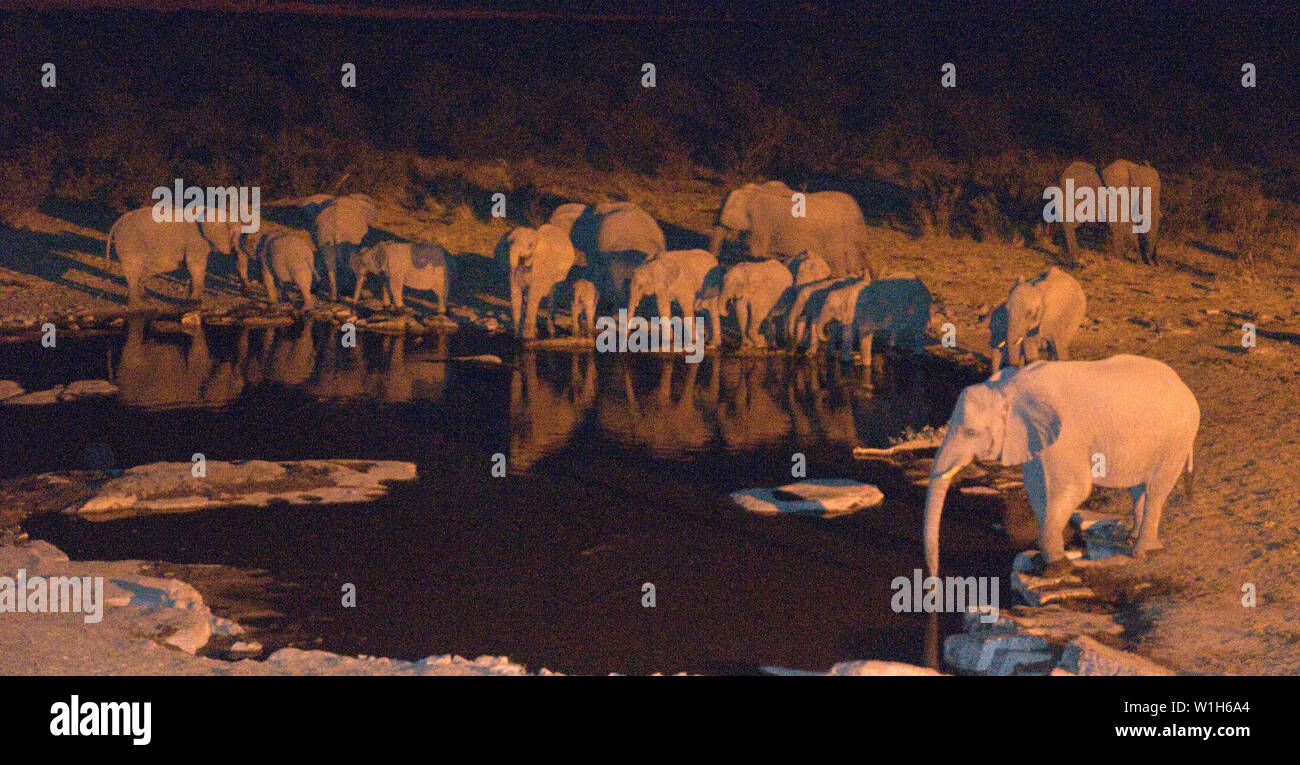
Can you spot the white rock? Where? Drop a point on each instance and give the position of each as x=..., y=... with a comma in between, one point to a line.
x=38, y=398
x=1085, y=656
x=999, y=655
x=85, y=388
x=825, y=498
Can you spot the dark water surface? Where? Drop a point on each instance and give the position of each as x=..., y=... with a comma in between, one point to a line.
x=619, y=467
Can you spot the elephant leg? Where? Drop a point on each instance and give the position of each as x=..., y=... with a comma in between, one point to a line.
x=574, y=327
x=135, y=290
x=331, y=253
x=744, y=318
x=361, y=283
x=1061, y=348
x=516, y=301
x=1071, y=244
x=198, y=267
x=1158, y=489
x=715, y=326
x=241, y=267
x=303, y=279
x=395, y=290
x=846, y=342
x=865, y=338
x=1064, y=491
x=532, y=301
x=550, y=312
x=1139, y=494
x=268, y=280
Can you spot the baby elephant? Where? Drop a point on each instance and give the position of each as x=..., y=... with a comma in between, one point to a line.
x=289, y=256
x=1044, y=311
x=420, y=266
x=584, y=305
x=898, y=305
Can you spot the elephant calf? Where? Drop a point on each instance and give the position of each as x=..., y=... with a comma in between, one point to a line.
x=584, y=306
x=675, y=276
x=288, y=257
x=752, y=290
x=1045, y=311
x=837, y=305
x=422, y=266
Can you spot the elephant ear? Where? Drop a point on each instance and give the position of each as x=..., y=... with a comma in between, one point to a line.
x=1031, y=426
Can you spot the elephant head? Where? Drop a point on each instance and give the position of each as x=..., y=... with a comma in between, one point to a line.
x=734, y=216
x=1024, y=312
x=223, y=236
x=993, y=420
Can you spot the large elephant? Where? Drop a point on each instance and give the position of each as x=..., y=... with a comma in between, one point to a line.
x=777, y=225
x=899, y=306
x=1043, y=312
x=338, y=224
x=147, y=247
x=611, y=239
x=1122, y=422
x=421, y=266
x=285, y=256
x=538, y=259
x=1121, y=173
x=676, y=276
x=750, y=289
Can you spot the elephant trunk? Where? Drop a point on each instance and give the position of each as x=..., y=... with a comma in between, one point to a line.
x=941, y=476
x=715, y=241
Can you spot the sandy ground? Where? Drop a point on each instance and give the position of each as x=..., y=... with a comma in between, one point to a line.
x=1242, y=531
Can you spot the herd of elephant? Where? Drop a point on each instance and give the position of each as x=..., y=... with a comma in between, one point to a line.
x=1124, y=422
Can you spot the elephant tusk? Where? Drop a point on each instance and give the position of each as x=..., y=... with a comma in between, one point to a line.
x=951, y=473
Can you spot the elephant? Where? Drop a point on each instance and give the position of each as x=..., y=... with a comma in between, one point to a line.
x=898, y=305
x=611, y=239
x=148, y=247
x=1043, y=312
x=1121, y=173
x=831, y=223
x=339, y=224
x=585, y=297
x=809, y=267
x=752, y=290
x=1122, y=422
x=679, y=276
x=838, y=305
x=538, y=260
x=286, y=256
x=807, y=305
x=421, y=266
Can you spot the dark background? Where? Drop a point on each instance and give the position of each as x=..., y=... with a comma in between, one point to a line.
x=794, y=90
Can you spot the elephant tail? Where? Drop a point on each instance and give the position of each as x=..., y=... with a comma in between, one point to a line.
x=108, y=243
x=1189, y=485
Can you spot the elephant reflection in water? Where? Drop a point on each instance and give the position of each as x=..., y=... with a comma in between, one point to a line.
x=749, y=412
x=412, y=375
x=543, y=413
x=666, y=425
x=821, y=411
x=163, y=373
